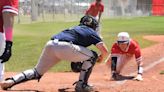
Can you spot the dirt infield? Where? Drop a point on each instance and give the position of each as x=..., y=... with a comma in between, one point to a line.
x=153, y=57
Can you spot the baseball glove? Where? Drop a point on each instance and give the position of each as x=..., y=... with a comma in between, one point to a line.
x=76, y=66
x=99, y=59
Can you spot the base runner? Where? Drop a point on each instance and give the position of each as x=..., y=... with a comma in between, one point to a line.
x=122, y=52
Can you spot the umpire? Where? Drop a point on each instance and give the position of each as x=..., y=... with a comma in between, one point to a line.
x=69, y=45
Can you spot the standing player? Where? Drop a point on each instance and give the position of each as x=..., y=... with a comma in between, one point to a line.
x=96, y=9
x=8, y=9
x=70, y=45
x=123, y=51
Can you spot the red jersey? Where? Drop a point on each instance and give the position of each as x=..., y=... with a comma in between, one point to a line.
x=94, y=9
x=132, y=49
x=7, y=6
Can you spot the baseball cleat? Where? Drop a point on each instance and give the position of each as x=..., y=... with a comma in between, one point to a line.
x=82, y=87
x=116, y=76
x=7, y=84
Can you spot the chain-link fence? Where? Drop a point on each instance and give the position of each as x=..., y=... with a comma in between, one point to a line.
x=72, y=10
x=52, y=10
x=129, y=7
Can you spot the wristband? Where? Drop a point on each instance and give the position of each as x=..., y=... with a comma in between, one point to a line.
x=140, y=70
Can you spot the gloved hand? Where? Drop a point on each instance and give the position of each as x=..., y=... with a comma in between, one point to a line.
x=7, y=53
x=99, y=59
x=138, y=77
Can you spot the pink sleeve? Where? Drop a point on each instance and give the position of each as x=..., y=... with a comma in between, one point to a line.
x=89, y=9
x=9, y=33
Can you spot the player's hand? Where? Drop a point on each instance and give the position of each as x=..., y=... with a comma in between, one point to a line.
x=99, y=59
x=7, y=53
x=138, y=77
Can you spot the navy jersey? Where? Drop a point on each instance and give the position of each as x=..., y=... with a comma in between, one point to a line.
x=79, y=35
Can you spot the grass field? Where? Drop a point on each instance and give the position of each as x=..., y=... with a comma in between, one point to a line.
x=29, y=39
x=162, y=72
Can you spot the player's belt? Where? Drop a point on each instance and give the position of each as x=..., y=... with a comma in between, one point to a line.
x=58, y=40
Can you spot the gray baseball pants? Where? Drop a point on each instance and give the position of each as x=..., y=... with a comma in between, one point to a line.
x=55, y=51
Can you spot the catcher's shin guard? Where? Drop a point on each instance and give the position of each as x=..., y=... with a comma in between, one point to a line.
x=23, y=77
x=87, y=67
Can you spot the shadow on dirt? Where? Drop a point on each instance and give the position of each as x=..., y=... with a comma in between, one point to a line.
x=122, y=77
x=65, y=90
x=25, y=90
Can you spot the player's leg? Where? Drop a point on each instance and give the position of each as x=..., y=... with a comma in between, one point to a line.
x=123, y=60
x=75, y=53
x=48, y=58
x=46, y=61
x=2, y=48
x=82, y=84
x=86, y=69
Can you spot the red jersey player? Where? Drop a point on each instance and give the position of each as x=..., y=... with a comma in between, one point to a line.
x=8, y=8
x=96, y=9
x=123, y=51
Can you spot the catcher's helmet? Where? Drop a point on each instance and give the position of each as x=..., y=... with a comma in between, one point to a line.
x=89, y=21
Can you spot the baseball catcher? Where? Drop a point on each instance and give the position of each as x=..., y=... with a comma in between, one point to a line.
x=70, y=45
x=123, y=51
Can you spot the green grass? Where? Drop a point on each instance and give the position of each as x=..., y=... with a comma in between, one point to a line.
x=162, y=72
x=29, y=39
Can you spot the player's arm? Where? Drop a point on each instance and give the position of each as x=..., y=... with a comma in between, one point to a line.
x=109, y=58
x=140, y=71
x=89, y=10
x=99, y=17
x=103, y=51
x=139, y=64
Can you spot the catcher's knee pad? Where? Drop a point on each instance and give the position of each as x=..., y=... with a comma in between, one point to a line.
x=90, y=62
x=77, y=66
x=25, y=76
x=114, y=63
x=93, y=58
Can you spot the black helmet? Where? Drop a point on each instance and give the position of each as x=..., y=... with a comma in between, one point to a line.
x=89, y=21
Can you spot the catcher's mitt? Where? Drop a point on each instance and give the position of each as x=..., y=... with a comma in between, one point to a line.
x=76, y=66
